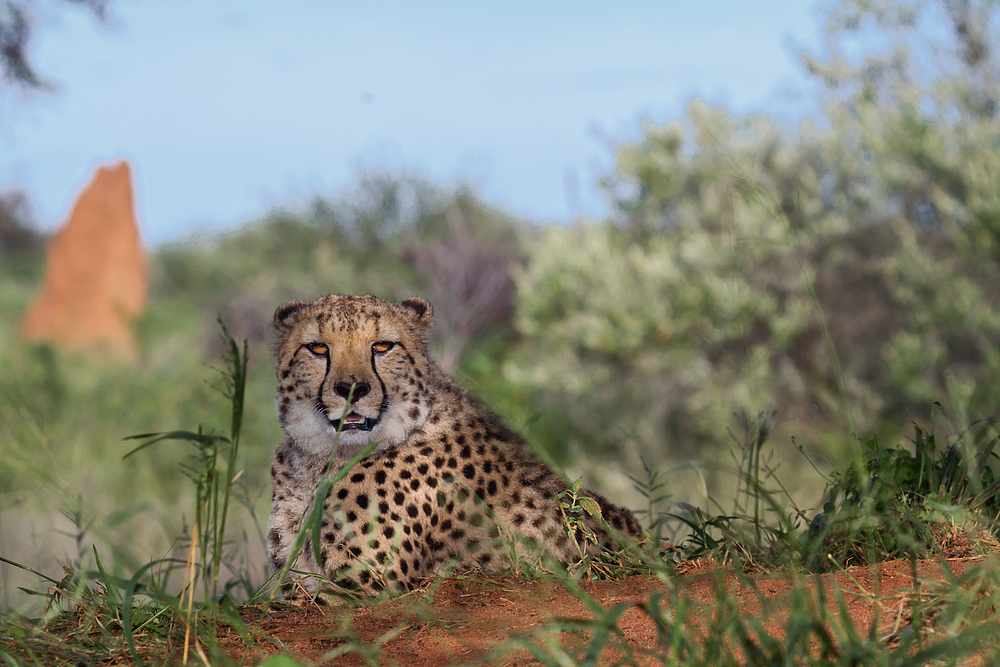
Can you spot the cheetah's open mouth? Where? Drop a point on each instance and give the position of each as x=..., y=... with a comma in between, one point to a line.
x=352, y=421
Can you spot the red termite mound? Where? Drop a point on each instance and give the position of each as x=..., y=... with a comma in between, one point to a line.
x=95, y=274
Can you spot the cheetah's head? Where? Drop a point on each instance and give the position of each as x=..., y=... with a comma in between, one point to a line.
x=352, y=370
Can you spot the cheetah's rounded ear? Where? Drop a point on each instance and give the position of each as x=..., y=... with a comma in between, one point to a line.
x=421, y=308
x=286, y=315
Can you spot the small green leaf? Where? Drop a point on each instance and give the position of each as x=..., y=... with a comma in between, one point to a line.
x=590, y=506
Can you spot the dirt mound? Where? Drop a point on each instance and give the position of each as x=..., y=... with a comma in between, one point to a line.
x=95, y=275
x=465, y=619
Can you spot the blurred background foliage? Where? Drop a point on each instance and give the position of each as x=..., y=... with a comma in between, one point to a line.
x=842, y=272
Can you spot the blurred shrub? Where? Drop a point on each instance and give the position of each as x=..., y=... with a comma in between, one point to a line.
x=845, y=272
x=395, y=235
x=16, y=232
x=654, y=331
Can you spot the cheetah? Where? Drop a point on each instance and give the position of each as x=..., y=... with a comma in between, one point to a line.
x=446, y=480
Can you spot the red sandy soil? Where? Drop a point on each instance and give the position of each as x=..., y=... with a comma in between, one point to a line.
x=464, y=619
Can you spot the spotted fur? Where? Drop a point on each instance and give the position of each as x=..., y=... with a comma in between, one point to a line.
x=447, y=478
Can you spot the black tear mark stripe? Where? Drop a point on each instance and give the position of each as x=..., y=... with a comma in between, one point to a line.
x=319, y=391
x=385, y=394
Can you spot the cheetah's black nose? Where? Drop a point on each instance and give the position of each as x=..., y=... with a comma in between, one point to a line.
x=343, y=389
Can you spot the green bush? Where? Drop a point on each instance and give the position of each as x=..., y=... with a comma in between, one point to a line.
x=843, y=273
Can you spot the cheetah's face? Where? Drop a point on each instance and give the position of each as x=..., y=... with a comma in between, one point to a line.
x=352, y=370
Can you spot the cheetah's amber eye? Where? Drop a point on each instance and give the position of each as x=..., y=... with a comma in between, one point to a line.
x=319, y=349
x=383, y=346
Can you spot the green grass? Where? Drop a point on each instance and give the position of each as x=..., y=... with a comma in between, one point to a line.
x=100, y=614
x=64, y=484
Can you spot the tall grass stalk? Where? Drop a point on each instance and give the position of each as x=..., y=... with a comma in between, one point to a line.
x=749, y=483
x=214, y=474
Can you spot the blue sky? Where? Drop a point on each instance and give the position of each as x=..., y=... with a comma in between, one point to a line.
x=229, y=108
